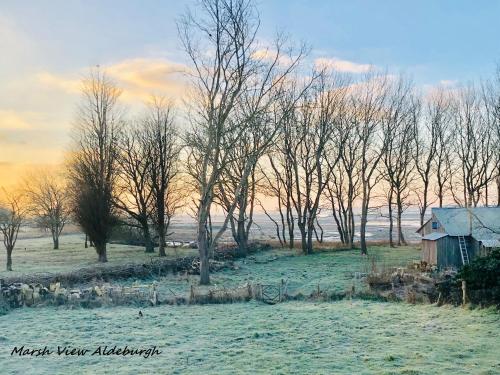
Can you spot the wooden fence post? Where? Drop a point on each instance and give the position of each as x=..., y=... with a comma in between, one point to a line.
x=464, y=292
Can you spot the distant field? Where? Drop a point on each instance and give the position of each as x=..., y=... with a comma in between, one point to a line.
x=357, y=337
x=36, y=255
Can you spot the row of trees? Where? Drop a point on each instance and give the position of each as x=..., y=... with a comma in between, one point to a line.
x=122, y=171
x=260, y=126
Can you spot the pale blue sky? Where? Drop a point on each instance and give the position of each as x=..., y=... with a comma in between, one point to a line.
x=46, y=46
x=432, y=40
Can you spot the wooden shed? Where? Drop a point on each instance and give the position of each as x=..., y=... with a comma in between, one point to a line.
x=454, y=236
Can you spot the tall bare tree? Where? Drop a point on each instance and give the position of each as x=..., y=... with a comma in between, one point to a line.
x=343, y=188
x=242, y=218
x=227, y=70
x=401, y=120
x=12, y=215
x=162, y=142
x=48, y=202
x=474, y=149
x=134, y=195
x=93, y=168
x=278, y=171
x=432, y=149
x=491, y=93
x=368, y=102
x=307, y=146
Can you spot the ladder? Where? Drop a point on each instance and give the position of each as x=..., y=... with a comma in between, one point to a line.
x=463, y=250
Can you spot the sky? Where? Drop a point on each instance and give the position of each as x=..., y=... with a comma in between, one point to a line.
x=46, y=48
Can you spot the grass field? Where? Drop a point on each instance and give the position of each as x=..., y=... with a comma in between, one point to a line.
x=343, y=337
x=250, y=338
x=333, y=271
x=37, y=255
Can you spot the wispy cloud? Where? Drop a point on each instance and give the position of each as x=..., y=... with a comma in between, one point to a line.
x=269, y=54
x=448, y=82
x=340, y=65
x=138, y=77
x=66, y=84
x=11, y=120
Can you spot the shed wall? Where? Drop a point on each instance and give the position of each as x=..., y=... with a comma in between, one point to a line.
x=429, y=251
x=448, y=252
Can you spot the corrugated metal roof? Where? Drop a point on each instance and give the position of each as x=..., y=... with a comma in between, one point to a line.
x=434, y=236
x=491, y=243
x=457, y=221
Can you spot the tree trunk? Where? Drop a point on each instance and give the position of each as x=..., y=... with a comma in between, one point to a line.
x=364, y=221
x=310, y=230
x=303, y=237
x=148, y=242
x=424, y=203
x=242, y=238
x=352, y=228
x=401, y=239
x=9, y=259
x=498, y=191
x=391, y=224
x=101, y=252
x=161, y=240
x=203, y=252
x=291, y=228
x=55, y=239
x=86, y=239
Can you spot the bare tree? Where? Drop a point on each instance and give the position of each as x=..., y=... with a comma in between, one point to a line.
x=264, y=125
x=401, y=119
x=431, y=150
x=242, y=218
x=368, y=103
x=440, y=117
x=313, y=154
x=12, y=216
x=227, y=71
x=162, y=139
x=93, y=169
x=474, y=149
x=278, y=173
x=134, y=195
x=491, y=94
x=48, y=202
x=343, y=188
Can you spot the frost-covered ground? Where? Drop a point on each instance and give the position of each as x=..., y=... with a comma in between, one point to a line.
x=33, y=251
x=251, y=338
x=33, y=255
x=303, y=337
x=333, y=271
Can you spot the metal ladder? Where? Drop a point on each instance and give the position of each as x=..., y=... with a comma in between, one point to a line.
x=463, y=250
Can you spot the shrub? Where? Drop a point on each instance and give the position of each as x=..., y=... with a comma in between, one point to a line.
x=482, y=276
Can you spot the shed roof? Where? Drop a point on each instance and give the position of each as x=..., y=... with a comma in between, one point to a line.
x=490, y=243
x=434, y=236
x=480, y=222
x=423, y=225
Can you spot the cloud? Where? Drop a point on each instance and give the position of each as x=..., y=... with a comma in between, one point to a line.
x=448, y=82
x=11, y=120
x=340, y=65
x=138, y=77
x=269, y=55
x=68, y=85
x=28, y=135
